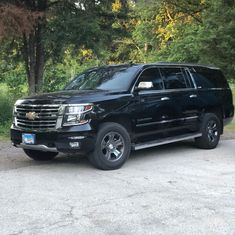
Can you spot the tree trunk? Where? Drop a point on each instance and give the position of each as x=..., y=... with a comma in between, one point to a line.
x=40, y=59
x=34, y=52
x=34, y=58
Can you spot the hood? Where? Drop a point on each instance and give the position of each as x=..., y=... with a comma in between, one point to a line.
x=74, y=97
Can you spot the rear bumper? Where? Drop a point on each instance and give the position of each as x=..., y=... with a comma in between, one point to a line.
x=69, y=141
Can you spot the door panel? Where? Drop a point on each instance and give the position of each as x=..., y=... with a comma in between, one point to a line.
x=184, y=94
x=156, y=112
x=187, y=100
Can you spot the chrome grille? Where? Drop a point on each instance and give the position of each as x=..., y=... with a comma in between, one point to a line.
x=45, y=116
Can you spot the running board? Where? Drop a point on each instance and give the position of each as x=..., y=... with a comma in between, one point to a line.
x=165, y=141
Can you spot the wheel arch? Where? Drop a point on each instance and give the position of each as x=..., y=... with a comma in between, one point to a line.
x=123, y=120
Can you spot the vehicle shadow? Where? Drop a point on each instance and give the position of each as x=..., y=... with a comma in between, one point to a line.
x=168, y=150
x=138, y=157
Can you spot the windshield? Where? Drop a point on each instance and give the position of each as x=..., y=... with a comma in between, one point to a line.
x=105, y=78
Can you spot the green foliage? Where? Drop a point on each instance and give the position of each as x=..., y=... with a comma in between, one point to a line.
x=12, y=72
x=231, y=127
x=57, y=75
x=7, y=100
x=232, y=85
x=87, y=34
x=82, y=24
x=5, y=130
x=217, y=36
x=6, y=103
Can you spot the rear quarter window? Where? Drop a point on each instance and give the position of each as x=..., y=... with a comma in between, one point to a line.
x=209, y=78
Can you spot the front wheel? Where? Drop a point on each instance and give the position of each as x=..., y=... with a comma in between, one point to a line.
x=211, y=130
x=112, y=147
x=40, y=155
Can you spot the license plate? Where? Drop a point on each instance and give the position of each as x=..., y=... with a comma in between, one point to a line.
x=28, y=138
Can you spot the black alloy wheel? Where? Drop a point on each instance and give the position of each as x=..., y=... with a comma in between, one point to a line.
x=211, y=130
x=112, y=147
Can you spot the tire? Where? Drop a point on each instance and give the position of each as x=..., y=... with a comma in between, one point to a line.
x=40, y=155
x=211, y=130
x=112, y=147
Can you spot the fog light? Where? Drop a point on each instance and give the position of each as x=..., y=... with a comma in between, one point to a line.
x=74, y=144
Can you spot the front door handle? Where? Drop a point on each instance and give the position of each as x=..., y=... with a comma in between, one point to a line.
x=193, y=96
x=165, y=98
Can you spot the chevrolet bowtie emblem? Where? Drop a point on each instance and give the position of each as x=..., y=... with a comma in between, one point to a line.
x=31, y=115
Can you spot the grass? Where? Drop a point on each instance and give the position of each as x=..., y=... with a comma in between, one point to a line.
x=5, y=131
x=231, y=127
x=6, y=103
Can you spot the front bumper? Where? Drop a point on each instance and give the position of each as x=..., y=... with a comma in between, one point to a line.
x=79, y=140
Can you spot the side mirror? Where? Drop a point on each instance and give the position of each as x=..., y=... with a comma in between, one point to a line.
x=144, y=85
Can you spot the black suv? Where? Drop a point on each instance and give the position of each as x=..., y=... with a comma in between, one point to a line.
x=108, y=111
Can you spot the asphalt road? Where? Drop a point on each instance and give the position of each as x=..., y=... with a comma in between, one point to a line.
x=173, y=189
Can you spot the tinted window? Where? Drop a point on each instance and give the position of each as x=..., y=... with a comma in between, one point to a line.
x=209, y=78
x=106, y=78
x=173, y=78
x=152, y=75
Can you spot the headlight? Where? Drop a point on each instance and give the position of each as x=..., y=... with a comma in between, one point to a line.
x=76, y=114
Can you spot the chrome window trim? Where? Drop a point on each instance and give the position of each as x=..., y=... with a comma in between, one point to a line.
x=166, y=90
x=145, y=92
x=214, y=89
x=191, y=76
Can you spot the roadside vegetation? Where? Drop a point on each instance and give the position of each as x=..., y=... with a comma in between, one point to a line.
x=6, y=104
x=45, y=43
x=231, y=127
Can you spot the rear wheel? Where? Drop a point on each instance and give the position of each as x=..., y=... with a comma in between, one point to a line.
x=112, y=147
x=211, y=130
x=40, y=155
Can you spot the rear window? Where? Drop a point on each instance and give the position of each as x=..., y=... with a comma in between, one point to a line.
x=209, y=78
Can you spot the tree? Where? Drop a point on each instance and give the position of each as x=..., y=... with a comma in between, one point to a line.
x=24, y=21
x=216, y=38
x=44, y=27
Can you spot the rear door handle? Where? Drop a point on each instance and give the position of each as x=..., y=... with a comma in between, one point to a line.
x=193, y=96
x=165, y=98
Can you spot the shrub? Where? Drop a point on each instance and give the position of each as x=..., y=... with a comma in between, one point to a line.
x=6, y=104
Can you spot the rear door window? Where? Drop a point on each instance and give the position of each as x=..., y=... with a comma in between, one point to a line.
x=174, y=78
